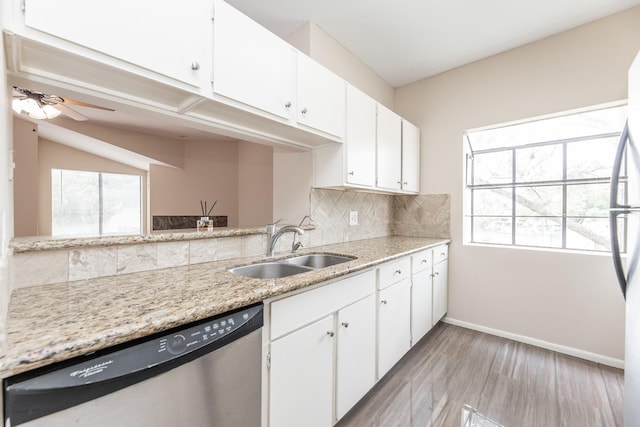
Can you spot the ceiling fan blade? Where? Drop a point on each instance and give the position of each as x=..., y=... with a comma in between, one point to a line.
x=84, y=104
x=70, y=112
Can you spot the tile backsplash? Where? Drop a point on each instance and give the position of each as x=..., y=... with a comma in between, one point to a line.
x=379, y=215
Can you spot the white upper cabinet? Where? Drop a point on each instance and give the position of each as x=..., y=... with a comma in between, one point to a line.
x=410, y=157
x=252, y=65
x=321, y=97
x=360, y=139
x=162, y=36
x=389, y=149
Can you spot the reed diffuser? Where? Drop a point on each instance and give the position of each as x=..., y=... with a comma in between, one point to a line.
x=205, y=223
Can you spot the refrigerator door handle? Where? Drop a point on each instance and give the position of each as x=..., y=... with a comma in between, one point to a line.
x=618, y=209
x=615, y=252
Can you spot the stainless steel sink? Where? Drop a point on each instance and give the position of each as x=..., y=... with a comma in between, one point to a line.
x=318, y=260
x=290, y=266
x=270, y=270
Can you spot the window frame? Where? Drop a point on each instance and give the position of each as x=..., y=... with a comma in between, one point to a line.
x=470, y=187
x=101, y=216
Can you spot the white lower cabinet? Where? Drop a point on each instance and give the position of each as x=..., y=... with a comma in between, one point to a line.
x=421, y=305
x=328, y=346
x=301, y=384
x=355, y=369
x=440, y=292
x=421, y=294
x=320, y=370
x=394, y=324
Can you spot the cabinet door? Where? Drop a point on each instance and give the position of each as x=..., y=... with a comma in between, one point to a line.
x=360, y=139
x=410, y=157
x=168, y=37
x=321, y=97
x=389, y=149
x=440, y=297
x=301, y=377
x=251, y=64
x=394, y=324
x=356, y=353
x=421, y=305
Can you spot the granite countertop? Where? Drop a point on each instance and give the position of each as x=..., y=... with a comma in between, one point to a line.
x=40, y=243
x=51, y=323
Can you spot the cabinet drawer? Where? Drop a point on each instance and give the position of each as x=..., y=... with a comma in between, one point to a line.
x=440, y=253
x=298, y=310
x=421, y=260
x=393, y=272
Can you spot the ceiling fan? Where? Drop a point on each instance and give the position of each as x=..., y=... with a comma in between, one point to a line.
x=38, y=105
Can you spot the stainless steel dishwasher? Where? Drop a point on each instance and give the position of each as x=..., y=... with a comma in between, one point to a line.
x=203, y=374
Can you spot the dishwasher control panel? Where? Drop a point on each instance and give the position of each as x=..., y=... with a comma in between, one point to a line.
x=203, y=334
x=200, y=338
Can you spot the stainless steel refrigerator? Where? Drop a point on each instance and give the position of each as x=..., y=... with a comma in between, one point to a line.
x=628, y=211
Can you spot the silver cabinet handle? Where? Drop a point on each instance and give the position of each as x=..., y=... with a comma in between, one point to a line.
x=384, y=301
x=304, y=110
x=195, y=66
x=443, y=253
x=398, y=272
x=330, y=333
x=288, y=104
x=405, y=183
x=436, y=274
x=345, y=324
x=424, y=261
x=352, y=173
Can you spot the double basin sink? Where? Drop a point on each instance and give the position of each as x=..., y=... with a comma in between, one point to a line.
x=290, y=266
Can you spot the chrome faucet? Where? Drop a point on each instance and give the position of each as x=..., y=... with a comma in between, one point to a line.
x=273, y=235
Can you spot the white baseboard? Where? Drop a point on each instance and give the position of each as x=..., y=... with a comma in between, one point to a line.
x=598, y=358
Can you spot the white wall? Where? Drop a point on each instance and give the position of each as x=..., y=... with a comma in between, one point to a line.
x=560, y=298
x=6, y=191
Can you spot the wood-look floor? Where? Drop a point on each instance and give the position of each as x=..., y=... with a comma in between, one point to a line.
x=513, y=384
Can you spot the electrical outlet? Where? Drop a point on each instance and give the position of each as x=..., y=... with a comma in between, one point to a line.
x=353, y=217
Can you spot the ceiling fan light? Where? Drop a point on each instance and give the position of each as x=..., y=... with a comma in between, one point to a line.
x=31, y=108
x=51, y=112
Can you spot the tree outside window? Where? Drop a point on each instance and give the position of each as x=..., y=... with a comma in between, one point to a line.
x=544, y=183
x=95, y=203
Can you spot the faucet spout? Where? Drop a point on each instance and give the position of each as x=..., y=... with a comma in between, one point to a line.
x=273, y=236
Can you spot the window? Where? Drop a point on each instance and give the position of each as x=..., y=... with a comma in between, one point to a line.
x=544, y=183
x=94, y=203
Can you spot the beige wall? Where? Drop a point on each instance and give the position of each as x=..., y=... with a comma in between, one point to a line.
x=210, y=173
x=25, y=178
x=255, y=184
x=57, y=156
x=561, y=298
x=166, y=150
x=319, y=45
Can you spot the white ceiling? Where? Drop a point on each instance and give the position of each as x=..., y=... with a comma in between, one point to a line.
x=404, y=41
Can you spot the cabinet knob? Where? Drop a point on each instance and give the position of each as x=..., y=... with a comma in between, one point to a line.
x=195, y=66
x=304, y=110
x=352, y=173
x=436, y=274
x=345, y=324
x=398, y=272
x=404, y=183
x=442, y=254
x=330, y=333
x=399, y=182
x=288, y=104
x=424, y=261
x=384, y=301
